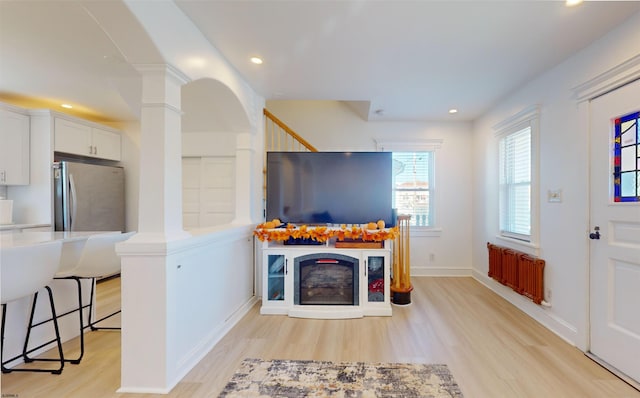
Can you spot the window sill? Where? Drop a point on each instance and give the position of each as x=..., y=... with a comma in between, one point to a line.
x=429, y=232
x=517, y=244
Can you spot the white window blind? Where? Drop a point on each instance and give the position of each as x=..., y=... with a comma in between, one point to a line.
x=412, y=188
x=515, y=184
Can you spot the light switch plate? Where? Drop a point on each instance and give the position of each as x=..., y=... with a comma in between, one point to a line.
x=554, y=195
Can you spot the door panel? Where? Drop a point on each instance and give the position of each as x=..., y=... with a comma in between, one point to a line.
x=615, y=256
x=208, y=191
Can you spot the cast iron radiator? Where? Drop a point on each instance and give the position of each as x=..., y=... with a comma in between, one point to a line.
x=520, y=271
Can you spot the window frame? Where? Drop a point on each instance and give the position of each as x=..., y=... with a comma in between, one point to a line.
x=527, y=118
x=432, y=146
x=617, y=158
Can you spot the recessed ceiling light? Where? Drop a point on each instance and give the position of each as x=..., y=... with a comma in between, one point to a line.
x=256, y=60
x=197, y=62
x=453, y=110
x=571, y=3
x=67, y=106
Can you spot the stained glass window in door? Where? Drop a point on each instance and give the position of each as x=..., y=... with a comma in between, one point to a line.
x=626, y=159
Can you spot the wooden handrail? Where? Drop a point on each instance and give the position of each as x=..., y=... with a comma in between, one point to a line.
x=286, y=128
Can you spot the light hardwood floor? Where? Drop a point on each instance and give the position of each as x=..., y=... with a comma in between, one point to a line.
x=493, y=349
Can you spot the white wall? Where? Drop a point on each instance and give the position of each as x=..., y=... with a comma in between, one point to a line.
x=333, y=126
x=563, y=165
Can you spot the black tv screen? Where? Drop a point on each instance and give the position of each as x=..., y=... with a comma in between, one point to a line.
x=329, y=187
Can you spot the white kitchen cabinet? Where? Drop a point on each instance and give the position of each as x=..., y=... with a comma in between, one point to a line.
x=106, y=144
x=14, y=147
x=77, y=138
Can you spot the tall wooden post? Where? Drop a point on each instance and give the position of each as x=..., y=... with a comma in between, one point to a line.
x=401, y=283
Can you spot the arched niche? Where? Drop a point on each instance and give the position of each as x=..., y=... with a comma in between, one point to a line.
x=209, y=105
x=212, y=119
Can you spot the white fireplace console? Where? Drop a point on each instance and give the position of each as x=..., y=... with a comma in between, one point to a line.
x=361, y=277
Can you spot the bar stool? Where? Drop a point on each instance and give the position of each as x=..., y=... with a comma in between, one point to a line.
x=98, y=259
x=25, y=271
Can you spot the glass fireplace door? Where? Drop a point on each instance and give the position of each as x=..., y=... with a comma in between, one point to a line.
x=375, y=276
x=276, y=268
x=326, y=279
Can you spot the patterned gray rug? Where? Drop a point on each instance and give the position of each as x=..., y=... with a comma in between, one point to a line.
x=284, y=378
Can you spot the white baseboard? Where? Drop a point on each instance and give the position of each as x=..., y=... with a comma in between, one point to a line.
x=542, y=315
x=192, y=358
x=195, y=355
x=429, y=271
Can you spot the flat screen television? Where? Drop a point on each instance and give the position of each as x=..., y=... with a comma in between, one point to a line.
x=317, y=188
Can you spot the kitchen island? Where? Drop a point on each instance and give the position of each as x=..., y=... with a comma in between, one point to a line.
x=64, y=291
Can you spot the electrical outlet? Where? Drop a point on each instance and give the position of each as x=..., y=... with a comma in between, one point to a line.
x=548, y=295
x=432, y=257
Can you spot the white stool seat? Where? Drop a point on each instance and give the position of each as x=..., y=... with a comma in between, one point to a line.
x=25, y=270
x=98, y=257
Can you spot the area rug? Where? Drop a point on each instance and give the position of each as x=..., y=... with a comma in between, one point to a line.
x=288, y=378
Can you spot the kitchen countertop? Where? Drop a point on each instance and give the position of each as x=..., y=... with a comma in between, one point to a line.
x=6, y=227
x=32, y=238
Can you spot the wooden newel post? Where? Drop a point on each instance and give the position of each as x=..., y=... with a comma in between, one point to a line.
x=401, y=282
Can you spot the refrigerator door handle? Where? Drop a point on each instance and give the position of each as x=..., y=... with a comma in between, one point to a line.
x=72, y=201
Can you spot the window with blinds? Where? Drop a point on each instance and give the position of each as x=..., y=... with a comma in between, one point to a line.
x=412, y=188
x=515, y=184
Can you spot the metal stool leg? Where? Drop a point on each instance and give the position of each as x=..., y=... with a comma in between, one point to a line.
x=4, y=318
x=76, y=361
x=25, y=350
x=92, y=324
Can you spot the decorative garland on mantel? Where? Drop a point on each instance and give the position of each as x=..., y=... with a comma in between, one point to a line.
x=323, y=234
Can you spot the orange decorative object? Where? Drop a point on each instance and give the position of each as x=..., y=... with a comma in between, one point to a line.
x=265, y=232
x=401, y=282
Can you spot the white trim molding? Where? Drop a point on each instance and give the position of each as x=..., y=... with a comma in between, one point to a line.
x=418, y=231
x=440, y=272
x=609, y=80
x=510, y=123
x=561, y=327
x=423, y=145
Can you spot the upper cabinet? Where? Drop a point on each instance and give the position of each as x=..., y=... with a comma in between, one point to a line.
x=86, y=139
x=14, y=147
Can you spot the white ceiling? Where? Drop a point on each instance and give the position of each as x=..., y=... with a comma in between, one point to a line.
x=411, y=59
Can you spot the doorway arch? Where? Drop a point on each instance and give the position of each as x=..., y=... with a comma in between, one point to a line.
x=212, y=119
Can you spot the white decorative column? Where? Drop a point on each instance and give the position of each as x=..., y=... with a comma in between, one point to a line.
x=148, y=259
x=160, y=202
x=245, y=154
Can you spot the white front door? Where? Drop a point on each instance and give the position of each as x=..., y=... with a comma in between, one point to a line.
x=615, y=247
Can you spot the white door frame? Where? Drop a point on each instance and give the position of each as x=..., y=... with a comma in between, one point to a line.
x=607, y=81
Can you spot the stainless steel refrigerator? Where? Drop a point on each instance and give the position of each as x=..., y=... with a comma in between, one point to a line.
x=88, y=197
